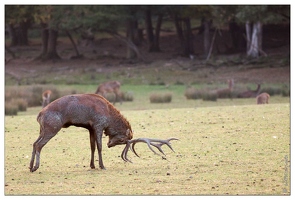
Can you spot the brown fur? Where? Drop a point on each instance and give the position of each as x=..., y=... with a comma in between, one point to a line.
x=250, y=93
x=46, y=97
x=110, y=87
x=90, y=111
x=262, y=98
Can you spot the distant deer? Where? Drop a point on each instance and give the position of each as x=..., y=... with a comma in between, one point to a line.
x=46, y=98
x=262, y=98
x=98, y=116
x=226, y=92
x=110, y=87
x=250, y=93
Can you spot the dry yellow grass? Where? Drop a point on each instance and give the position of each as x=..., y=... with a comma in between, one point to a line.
x=222, y=150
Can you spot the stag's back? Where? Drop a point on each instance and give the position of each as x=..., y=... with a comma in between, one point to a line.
x=80, y=110
x=262, y=98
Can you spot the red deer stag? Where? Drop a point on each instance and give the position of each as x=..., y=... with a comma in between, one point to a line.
x=110, y=87
x=46, y=98
x=226, y=92
x=95, y=113
x=250, y=93
x=262, y=98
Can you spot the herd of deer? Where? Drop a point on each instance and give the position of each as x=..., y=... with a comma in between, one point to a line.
x=260, y=98
x=94, y=113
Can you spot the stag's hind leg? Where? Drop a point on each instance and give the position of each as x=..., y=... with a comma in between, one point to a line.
x=92, y=146
x=43, y=138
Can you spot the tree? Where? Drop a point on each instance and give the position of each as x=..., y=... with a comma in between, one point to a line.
x=153, y=38
x=18, y=19
x=181, y=17
x=111, y=19
x=254, y=17
x=44, y=16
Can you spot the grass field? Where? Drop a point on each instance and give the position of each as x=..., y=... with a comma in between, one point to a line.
x=228, y=147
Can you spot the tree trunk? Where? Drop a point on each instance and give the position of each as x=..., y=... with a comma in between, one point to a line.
x=129, y=43
x=157, y=33
x=131, y=28
x=153, y=39
x=189, y=44
x=44, y=37
x=179, y=31
x=183, y=29
x=149, y=29
x=23, y=33
x=19, y=34
x=248, y=35
x=52, y=43
x=234, y=30
x=207, y=25
x=74, y=45
x=256, y=41
x=12, y=34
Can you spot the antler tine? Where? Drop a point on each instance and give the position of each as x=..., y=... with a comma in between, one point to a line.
x=162, y=142
x=168, y=144
x=145, y=140
x=154, y=142
x=124, y=153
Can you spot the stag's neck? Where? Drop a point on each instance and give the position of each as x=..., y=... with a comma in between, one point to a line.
x=258, y=88
x=118, y=124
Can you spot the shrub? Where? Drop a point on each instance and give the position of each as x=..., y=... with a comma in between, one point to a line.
x=110, y=97
x=21, y=104
x=209, y=96
x=35, y=98
x=127, y=96
x=285, y=91
x=160, y=98
x=272, y=90
x=11, y=108
x=192, y=93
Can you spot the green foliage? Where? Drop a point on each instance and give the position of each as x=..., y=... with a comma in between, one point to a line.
x=264, y=13
x=15, y=14
x=243, y=13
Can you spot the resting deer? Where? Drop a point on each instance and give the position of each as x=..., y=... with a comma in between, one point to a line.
x=226, y=92
x=250, y=93
x=110, y=87
x=92, y=112
x=46, y=98
x=262, y=98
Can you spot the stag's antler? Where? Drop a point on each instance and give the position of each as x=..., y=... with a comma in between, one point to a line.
x=154, y=142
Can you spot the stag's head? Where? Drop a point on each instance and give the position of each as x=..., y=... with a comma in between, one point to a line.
x=120, y=138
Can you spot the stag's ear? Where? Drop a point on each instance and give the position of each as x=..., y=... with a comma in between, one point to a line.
x=127, y=132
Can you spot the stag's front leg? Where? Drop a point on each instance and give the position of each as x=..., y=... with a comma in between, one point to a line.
x=99, y=148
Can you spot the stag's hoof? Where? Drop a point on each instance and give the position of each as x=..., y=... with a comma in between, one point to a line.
x=92, y=166
x=33, y=169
